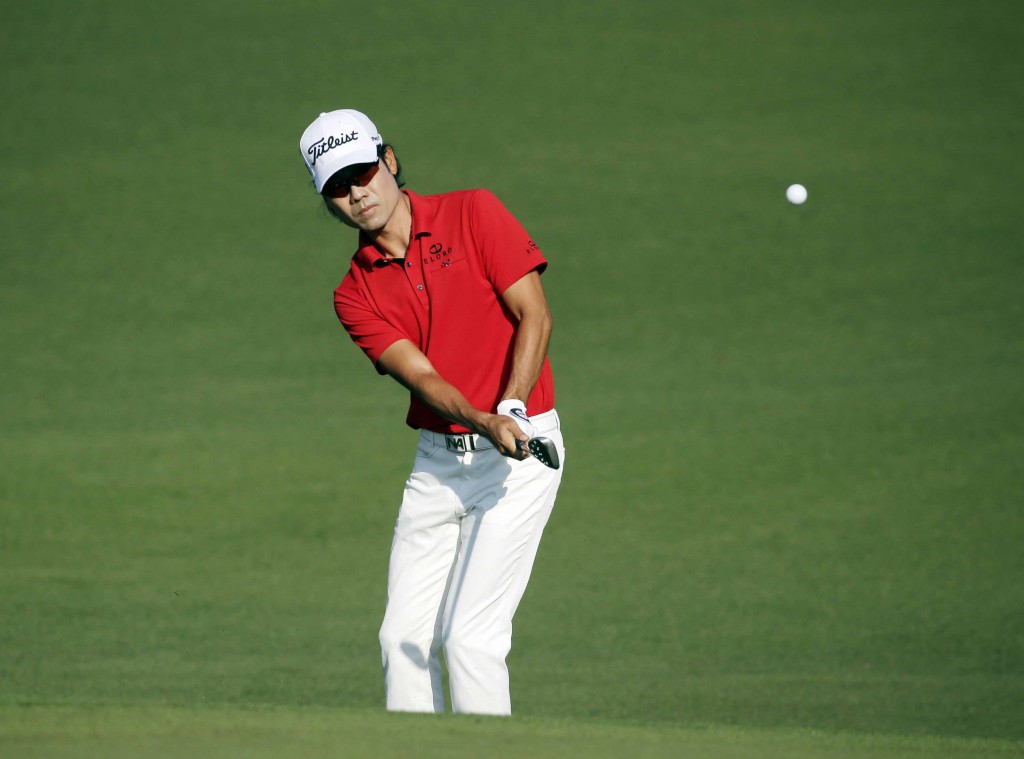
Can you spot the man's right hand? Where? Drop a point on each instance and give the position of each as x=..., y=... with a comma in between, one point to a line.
x=505, y=433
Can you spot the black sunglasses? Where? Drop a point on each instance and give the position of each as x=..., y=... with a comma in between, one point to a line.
x=360, y=174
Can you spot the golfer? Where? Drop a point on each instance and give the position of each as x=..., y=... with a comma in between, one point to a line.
x=444, y=295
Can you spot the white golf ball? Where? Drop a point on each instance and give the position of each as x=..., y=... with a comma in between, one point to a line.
x=796, y=194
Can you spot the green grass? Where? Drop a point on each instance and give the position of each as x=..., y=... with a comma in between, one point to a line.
x=791, y=514
x=314, y=731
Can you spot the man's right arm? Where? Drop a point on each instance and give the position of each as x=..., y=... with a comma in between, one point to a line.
x=410, y=366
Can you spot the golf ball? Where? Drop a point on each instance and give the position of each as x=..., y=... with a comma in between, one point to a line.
x=796, y=194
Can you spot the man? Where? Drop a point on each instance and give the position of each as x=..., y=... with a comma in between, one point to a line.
x=444, y=295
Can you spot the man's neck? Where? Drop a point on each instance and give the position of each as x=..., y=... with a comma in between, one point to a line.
x=393, y=239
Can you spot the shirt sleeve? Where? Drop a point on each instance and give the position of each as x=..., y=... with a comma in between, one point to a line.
x=507, y=252
x=364, y=325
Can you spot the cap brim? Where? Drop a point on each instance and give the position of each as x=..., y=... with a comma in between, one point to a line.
x=329, y=168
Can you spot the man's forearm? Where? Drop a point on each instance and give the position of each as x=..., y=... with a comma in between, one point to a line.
x=407, y=364
x=529, y=351
x=444, y=399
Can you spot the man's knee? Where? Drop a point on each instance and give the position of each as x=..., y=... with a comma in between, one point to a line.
x=466, y=643
x=413, y=645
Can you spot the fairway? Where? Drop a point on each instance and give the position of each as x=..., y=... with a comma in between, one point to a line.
x=360, y=734
x=791, y=522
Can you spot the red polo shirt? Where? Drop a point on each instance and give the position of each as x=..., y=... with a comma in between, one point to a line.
x=465, y=250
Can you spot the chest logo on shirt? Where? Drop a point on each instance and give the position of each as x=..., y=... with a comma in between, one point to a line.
x=438, y=252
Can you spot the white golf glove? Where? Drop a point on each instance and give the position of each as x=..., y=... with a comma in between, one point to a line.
x=517, y=410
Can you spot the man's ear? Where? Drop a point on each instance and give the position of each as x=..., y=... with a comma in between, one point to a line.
x=390, y=161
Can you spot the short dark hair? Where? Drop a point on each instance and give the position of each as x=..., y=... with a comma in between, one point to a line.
x=333, y=211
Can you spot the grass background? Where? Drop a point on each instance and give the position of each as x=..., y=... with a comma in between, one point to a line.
x=793, y=497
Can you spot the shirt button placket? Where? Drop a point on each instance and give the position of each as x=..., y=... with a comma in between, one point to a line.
x=414, y=276
x=420, y=291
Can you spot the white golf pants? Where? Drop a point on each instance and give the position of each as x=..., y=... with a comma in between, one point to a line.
x=465, y=540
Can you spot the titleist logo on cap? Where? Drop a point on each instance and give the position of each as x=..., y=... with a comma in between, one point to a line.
x=322, y=145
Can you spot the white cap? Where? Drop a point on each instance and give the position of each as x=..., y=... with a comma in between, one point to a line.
x=336, y=140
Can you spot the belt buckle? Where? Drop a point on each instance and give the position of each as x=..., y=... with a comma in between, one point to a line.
x=460, y=443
